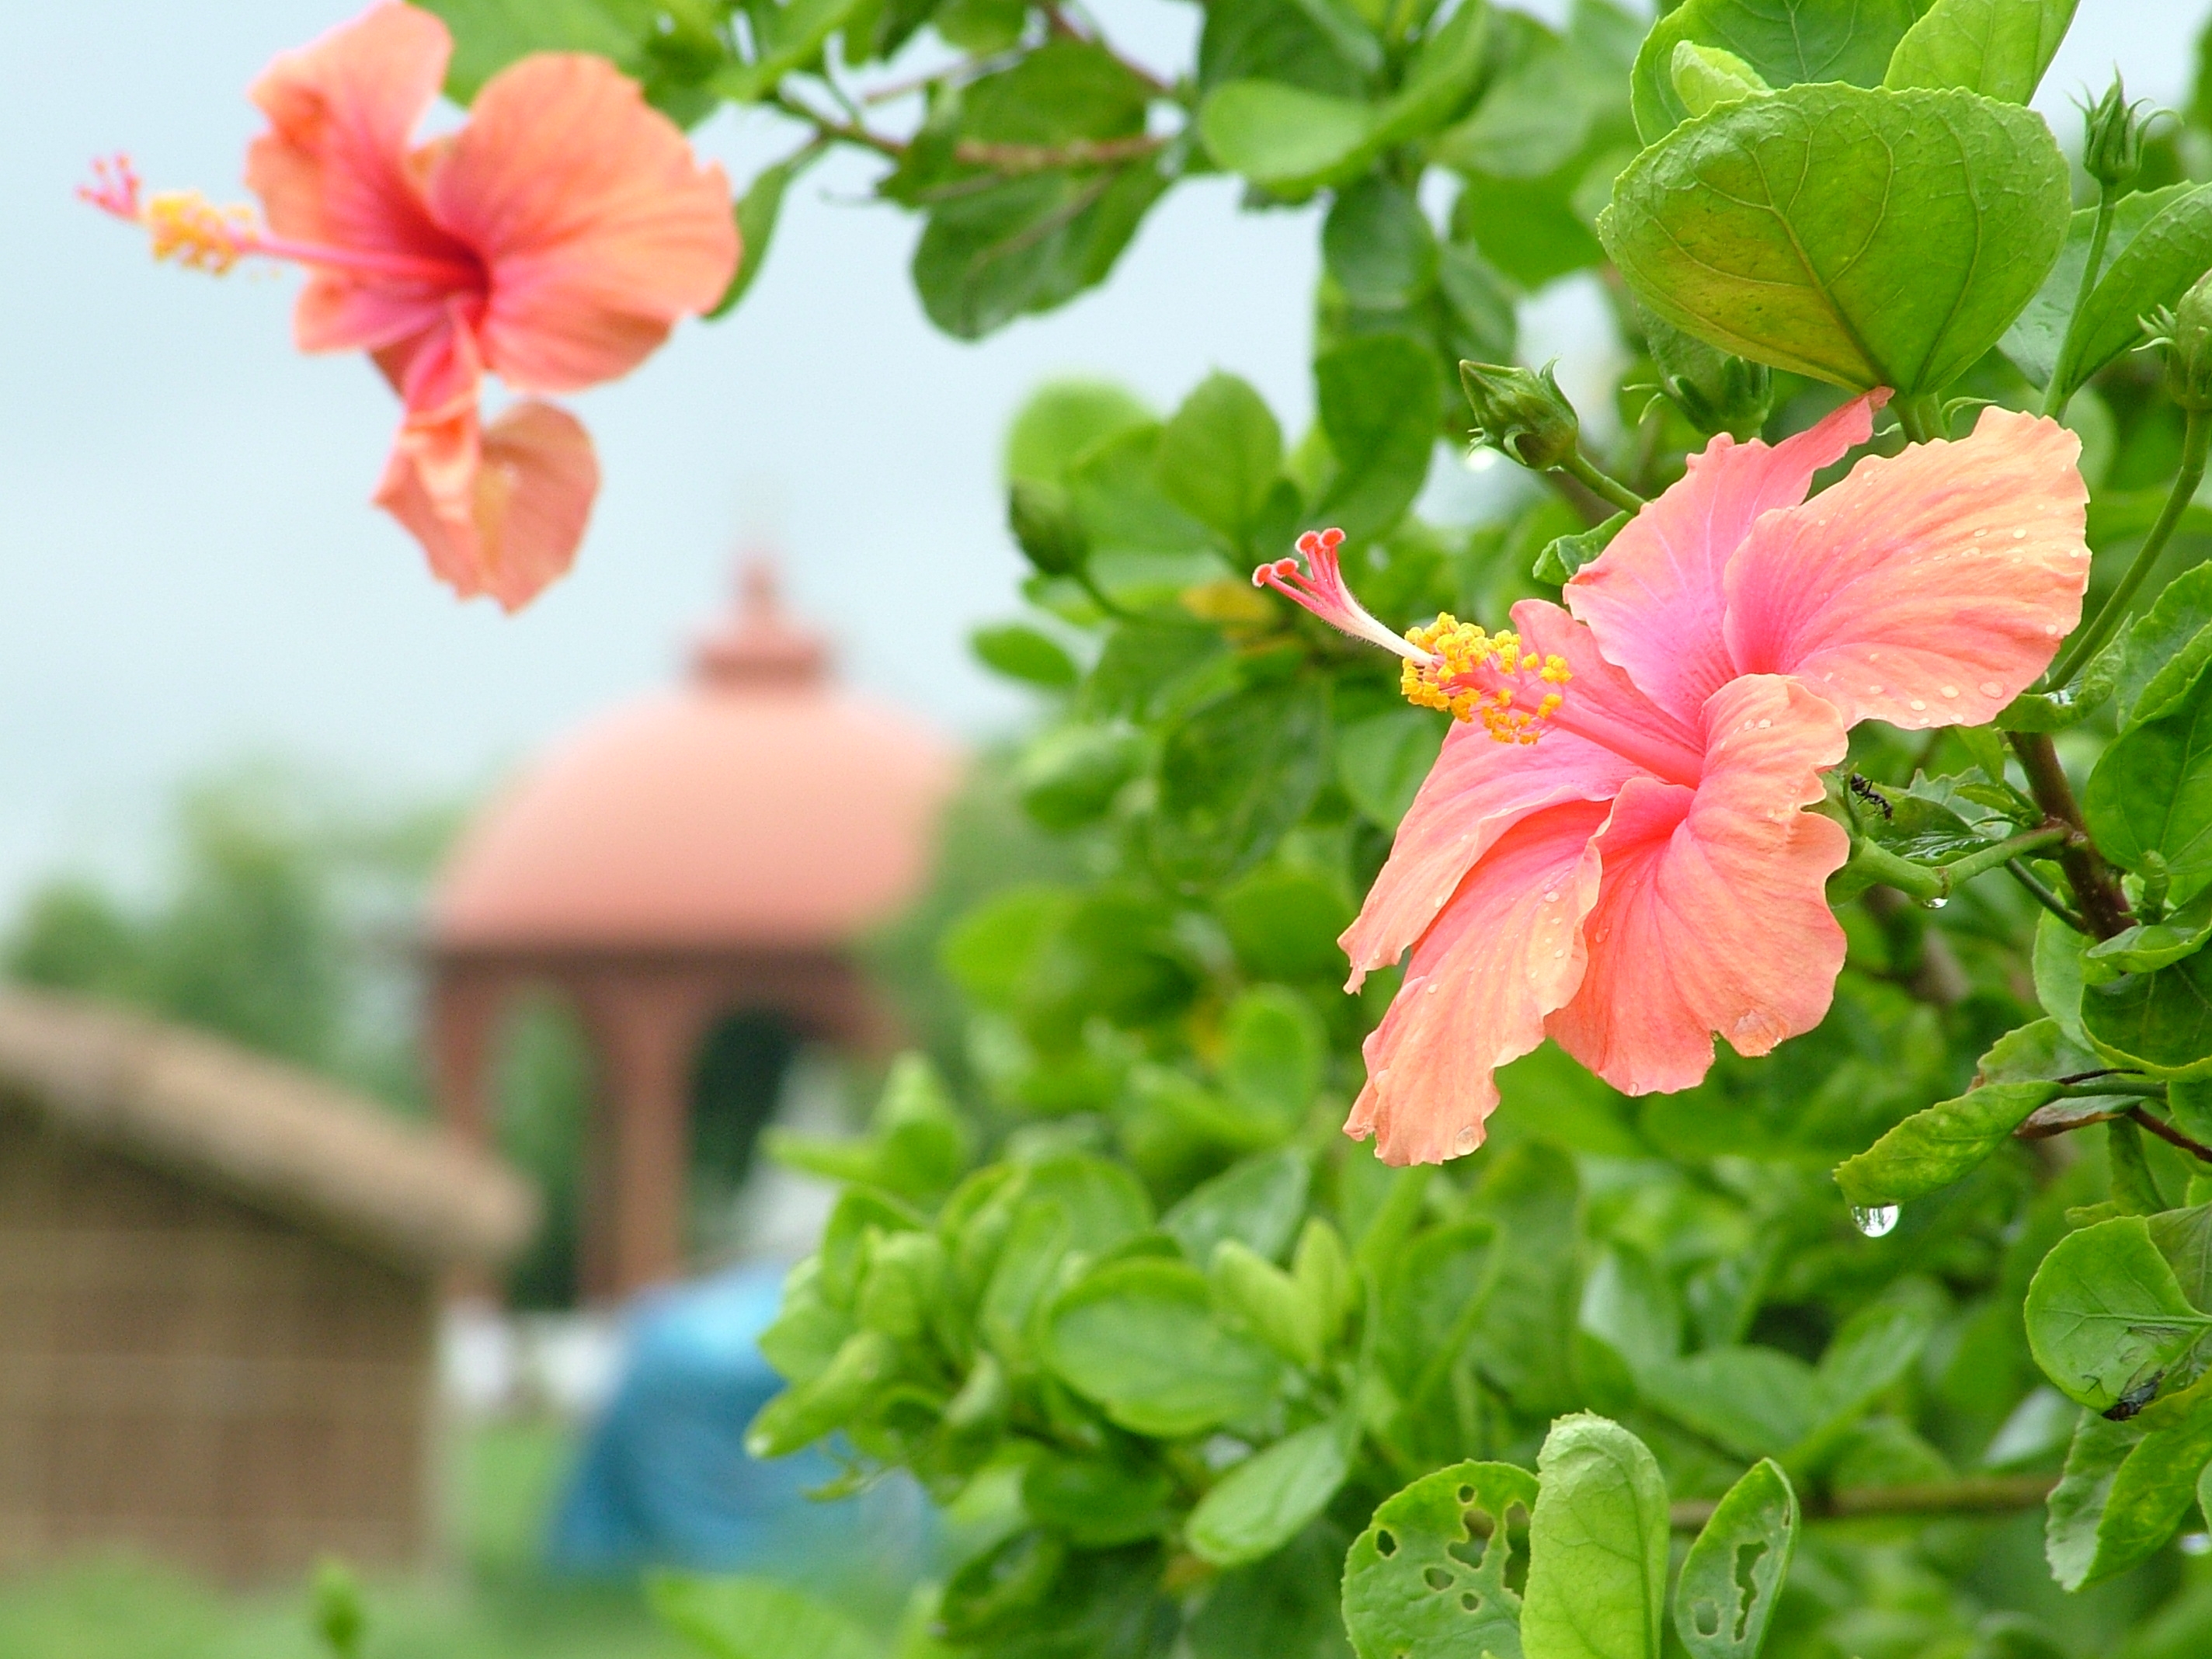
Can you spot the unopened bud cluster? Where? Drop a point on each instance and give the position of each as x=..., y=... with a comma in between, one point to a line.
x=2111, y=144
x=2184, y=336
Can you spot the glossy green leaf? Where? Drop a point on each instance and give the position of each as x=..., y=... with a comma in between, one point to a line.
x=1934, y=1148
x=1235, y=776
x=738, y=1618
x=1864, y=237
x=1272, y=1303
x=1378, y=399
x=2155, y=268
x=2067, y=707
x=1264, y=1501
x=2076, y=1506
x=1563, y=556
x=1782, y=42
x=1999, y=48
x=1027, y=244
x=1427, y=1579
x=1139, y=1337
x=2155, y=1486
x=1382, y=760
x=1069, y=776
x=2058, y=964
x=2105, y=1312
x=1533, y=120
x=1283, y=925
x=1219, y=455
x=1062, y=419
x=1705, y=77
x=1597, y=1546
x=2160, y=1023
x=1736, y=1567
x=1259, y=1203
x=2148, y=946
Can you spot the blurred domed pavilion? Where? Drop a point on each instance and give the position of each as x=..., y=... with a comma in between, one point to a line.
x=709, y=853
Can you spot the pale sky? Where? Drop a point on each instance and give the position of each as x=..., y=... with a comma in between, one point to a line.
x=191, y=568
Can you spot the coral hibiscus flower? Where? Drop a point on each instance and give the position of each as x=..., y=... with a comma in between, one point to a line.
x=1611, y=849
x=553, y=242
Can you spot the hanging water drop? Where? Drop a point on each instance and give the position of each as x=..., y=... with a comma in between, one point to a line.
x=1935, y=903
x=1876, y=1221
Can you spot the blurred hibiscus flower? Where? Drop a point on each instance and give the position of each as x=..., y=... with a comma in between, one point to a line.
x=553, y=242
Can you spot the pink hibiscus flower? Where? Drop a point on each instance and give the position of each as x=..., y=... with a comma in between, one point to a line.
x=1611, y=850
x=553, y=242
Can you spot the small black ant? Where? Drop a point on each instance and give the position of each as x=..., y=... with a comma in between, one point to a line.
x=1873, y=797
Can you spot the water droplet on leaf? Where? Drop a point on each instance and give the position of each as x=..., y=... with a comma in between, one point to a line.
x=1876, y=1221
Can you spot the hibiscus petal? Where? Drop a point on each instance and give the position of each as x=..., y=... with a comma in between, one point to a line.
x=500, y=511
x=1711, y=914
x=1654, y=597
x=1506, y=951
x=1480, y=788
x=333, y=169
x=1928, y=589
x=599, y=227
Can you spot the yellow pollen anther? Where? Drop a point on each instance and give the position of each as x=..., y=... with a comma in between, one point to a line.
x=1477, y=676
x=194, y=232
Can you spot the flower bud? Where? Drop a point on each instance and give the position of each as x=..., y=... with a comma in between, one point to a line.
x=1718, y=392
x=1043, y=522
x=1522, y=412
x=2184, y=335
x=2112, y=143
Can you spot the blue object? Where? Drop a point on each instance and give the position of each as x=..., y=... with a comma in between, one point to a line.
x=665, y=1479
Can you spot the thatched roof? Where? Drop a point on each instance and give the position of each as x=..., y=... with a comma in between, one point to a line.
x=268, y=1134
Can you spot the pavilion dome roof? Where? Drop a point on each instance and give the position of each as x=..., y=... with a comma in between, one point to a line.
x=757, y=806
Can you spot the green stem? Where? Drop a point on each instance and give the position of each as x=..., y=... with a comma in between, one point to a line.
x=1578, y=466
x=1932, y=885
x=2103, y=1087
x=2041, y=893
x=1922, y=417
x=2055, y=396
x=2195, y=444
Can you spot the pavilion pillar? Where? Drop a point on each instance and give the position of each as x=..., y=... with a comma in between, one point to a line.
x=640, y=1145
x=465, y=1010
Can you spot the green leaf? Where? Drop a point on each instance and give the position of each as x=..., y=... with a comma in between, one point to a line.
x=2058, y=964
x=1062, y=420
x=1377, y=245
x=2155, y=1485
x=1946, y=1143
x=1283, y=925
x=757, y=210
x=1273, y=1052
x=1284, y=1607
x=2076, y=1505
x=1264, y=1502
x=1064, y=90
x=1096, y=1503
x=844, y=1389
x=1533, y=120
x=1735, y=1569
x=1705, y=77
x=1378, y=398
x=1220, y=454
x=2155, y=268
x=1755, y=1402
x=1141, y=1338
x=1235, y=776
x=1782, y=43
x=1862, y=238
x=1563, y=556
x=2148, y=946
x=1022, y=652
x=2167, y=648
x=1427, y=1579
x=754, y=1619
x=991, y=951
x=1068, y=776
x=2105, y=1312
x=990, y=255
x=1270, y=1302
x=1258, y=1202
x=1382, y=760
x=2159, y=1022
x=2069, y=705
x=1597, y=1546
x=1999, y=48
x=2034, y=340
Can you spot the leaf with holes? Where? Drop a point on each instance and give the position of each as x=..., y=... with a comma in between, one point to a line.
x=1428, y=1578
x=1725, y=1597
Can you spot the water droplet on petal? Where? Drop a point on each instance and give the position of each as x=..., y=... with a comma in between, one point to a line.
x=1876, y=1221
x=1551, y=895
x=2050, y=629
x=1949, y=690
x=1991, y=689
x=1466, y=1138
x=2020, y=535
x=1763, y=724
x=1916, y=705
